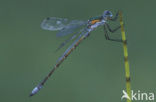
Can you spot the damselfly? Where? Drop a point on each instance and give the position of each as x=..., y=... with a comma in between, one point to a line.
x=80, y=31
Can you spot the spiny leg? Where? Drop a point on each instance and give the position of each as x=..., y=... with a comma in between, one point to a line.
x=107, y=36
x=112, y=30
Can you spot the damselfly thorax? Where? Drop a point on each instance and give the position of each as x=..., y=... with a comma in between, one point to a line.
x=95, y=23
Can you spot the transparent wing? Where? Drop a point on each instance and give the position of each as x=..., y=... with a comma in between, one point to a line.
x=54, y=23
x=69, y=39
x=73, y=26
x=64, y=25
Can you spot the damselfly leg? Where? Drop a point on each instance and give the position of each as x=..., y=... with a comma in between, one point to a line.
x=112, y=30
x=106, y=33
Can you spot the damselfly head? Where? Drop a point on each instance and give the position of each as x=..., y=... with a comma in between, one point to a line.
x=107, y=14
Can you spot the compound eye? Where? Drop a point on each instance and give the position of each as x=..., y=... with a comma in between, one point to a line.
x=108, y=13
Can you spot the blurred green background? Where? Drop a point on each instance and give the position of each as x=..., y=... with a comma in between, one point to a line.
x=94, y=72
